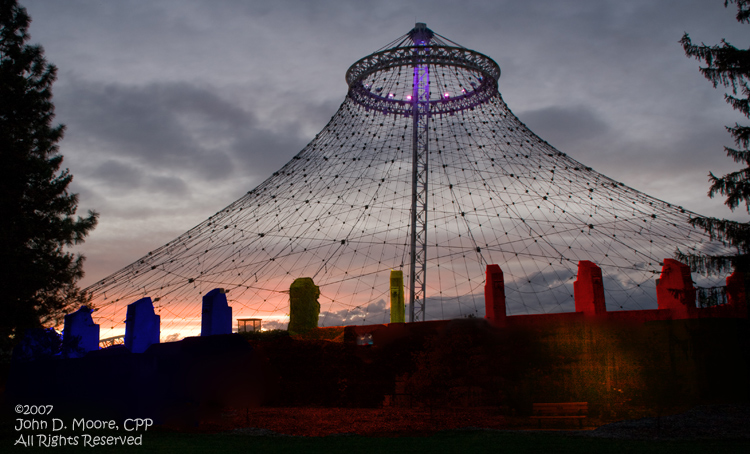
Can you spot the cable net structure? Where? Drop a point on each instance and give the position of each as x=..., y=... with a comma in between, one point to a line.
x=424, y=169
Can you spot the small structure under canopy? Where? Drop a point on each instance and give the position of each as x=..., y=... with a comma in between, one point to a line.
x=248, y=325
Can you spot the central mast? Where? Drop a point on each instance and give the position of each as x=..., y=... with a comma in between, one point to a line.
x=421, y=37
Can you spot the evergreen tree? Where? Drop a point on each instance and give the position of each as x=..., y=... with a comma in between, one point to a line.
x=37, y=275
x=730, y=67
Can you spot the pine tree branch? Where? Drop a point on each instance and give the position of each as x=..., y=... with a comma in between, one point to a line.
x=743, y=10
x=730, y=67
x=741, y=136
x=708, y=264
x=725, y=64
x=735, y=234
x=734, y=186
x=739, y=156
x=740, y=104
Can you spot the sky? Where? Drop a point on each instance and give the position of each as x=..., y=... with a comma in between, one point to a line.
x=174, y=109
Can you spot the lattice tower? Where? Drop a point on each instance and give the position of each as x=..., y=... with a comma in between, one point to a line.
x=355, y=203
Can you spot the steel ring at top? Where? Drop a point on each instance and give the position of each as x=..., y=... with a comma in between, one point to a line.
x=423, y=55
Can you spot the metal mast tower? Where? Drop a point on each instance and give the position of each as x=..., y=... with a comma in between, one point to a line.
x=421, y=37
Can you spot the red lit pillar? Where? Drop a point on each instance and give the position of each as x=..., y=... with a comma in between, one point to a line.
x=675, y=291
x=494, y=296
x=736, y=297
x=589, y=289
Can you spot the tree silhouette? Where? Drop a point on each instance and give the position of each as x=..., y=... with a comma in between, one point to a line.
x=37, y=275
x=730, y=67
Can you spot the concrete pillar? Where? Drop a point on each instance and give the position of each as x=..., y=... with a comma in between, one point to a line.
x=141, y=326
x=397, y=296
x=216, y=317
x=494, y=296
x=675, y=291
x=304, y=308
x=589, y=289
x=81, y=334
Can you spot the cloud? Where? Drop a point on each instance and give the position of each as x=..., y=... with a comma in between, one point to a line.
x=169, y=125
x=566, y=127
x=118, y=174
x=374, y=313
x=158, y=158
x=370, y=314
x=183, y=128
x=378, y=312
x=273, y=324
x=176, y=108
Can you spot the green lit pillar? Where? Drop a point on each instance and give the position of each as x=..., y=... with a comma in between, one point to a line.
x=397, y=296
x=304, y=308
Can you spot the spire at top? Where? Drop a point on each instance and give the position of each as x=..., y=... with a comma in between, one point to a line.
x=420, y=34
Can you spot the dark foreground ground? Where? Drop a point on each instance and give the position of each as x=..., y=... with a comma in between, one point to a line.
x=443, y=442
x=704, y=422
x=715, y=429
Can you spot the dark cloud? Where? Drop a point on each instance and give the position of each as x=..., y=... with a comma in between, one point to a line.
x=117, y=174
x=179, y=127
x=118, y=177
x=166, y=125
x=566, y=127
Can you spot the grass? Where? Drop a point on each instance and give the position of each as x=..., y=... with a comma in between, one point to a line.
x=449, y=442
